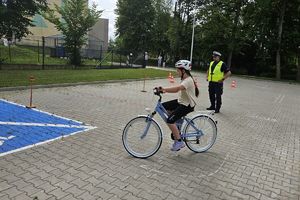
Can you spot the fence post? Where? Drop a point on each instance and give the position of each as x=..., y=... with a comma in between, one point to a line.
x=112, y=57
x=38, y=51
x=31, y=79
x=43, y=60
x=1, y=60
x=100, y=52
x=9, y=52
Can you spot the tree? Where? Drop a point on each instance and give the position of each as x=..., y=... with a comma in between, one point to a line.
x=180, y=31
x=134, y=24
x=223, y=26
x=111, y=44
x=76, y=20
x=15, y=16
x=160, y=41
x=280, y=20
x=275, y=31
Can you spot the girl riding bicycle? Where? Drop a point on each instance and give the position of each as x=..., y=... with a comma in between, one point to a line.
x=185, y=103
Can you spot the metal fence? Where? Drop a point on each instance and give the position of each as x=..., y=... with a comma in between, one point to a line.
x=115, y=58
x=50, y=51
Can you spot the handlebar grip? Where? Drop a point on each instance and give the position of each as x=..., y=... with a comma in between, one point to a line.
x=158, y=91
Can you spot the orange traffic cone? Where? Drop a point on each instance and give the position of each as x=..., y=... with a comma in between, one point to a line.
x=172, y=79
x=233, y=84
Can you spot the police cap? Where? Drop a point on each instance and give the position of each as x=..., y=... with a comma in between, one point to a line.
x=215, y=53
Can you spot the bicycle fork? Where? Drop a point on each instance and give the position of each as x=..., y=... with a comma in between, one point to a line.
x=148, y=120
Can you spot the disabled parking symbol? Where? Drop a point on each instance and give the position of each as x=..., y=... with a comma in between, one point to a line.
x=22, y=128
x=2, y=139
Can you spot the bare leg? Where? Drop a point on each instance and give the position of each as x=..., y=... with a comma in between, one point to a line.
x=175, y=131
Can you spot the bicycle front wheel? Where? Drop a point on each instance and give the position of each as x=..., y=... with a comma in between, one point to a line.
x=203, y=132
x=142, y=137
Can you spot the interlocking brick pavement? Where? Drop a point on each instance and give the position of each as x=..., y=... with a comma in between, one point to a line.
x=256, y=155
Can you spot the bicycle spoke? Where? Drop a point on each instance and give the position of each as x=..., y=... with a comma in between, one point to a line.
x=203, y=142
x=141, y=137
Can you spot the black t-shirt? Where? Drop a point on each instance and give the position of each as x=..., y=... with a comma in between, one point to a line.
x=224, y=67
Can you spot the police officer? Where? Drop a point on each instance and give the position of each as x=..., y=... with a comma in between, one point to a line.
x=216, y=74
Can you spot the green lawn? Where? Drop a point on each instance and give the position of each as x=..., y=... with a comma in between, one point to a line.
x=31, y=55
x=11, y=78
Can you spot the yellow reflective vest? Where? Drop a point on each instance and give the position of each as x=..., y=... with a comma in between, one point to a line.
x=216, y=75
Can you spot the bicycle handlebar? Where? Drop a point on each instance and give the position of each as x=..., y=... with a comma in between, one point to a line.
x=157, y=91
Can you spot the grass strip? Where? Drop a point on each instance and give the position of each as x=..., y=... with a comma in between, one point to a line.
x=13, y=78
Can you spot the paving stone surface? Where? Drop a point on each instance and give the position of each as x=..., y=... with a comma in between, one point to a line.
x=256, y=155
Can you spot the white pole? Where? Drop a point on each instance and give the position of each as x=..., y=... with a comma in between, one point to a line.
x=193, y=33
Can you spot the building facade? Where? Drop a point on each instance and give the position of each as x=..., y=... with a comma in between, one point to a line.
x=97, y=36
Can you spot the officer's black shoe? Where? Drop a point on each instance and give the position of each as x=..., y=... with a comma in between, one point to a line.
x=210, y=108
x=217, y=111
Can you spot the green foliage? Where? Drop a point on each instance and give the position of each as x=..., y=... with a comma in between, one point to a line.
x=111, y=44
x=162, y=20
x=180, y=32
x=247, y=32
x=75, y=21
x=15, y=16
x=134, y=24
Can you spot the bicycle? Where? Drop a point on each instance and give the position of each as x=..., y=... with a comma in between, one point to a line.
x=142, y=135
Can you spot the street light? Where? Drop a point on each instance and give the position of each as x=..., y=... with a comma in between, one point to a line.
x=193, y=33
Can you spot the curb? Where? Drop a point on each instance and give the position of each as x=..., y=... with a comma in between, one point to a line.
x=73, y=84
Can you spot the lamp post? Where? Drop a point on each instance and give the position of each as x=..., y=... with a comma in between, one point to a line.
x=193, y=33
x=192, y=43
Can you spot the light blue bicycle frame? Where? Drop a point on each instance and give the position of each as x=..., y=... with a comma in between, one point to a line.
x=164, y=115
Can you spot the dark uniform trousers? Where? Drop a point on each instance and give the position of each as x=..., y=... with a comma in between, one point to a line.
x=215, y=90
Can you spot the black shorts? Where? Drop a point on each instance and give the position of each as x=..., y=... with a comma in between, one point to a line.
x=177, y=110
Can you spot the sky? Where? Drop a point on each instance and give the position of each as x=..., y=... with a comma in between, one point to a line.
x=108, y=6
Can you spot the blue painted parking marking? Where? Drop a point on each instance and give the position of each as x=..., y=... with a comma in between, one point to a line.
x=22, y=128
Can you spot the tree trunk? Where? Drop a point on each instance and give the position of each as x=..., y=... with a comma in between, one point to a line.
x=229, y=58
x=298, y=67
x=279, y=36
x=231, y=48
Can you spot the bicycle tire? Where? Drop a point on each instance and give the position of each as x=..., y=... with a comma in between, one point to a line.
x=194, y=143
x=142, y=147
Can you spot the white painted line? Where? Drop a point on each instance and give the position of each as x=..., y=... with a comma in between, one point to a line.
x=282, y=97
x=43, y=124
x=41, y=111
x=44, y=142
x=279, y=98
x=85, y=126
x=263, y=118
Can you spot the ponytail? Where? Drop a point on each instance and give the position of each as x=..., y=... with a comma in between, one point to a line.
x=196, y=87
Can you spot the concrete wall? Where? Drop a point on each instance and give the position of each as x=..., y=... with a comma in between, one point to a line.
x=42, y=26
x=99, y=33
x=97, y=36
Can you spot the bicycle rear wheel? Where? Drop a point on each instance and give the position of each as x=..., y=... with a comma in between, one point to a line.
x=207, y=137
x=140, y=141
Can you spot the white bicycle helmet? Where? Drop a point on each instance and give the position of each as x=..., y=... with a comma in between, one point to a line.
x=183, y=64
